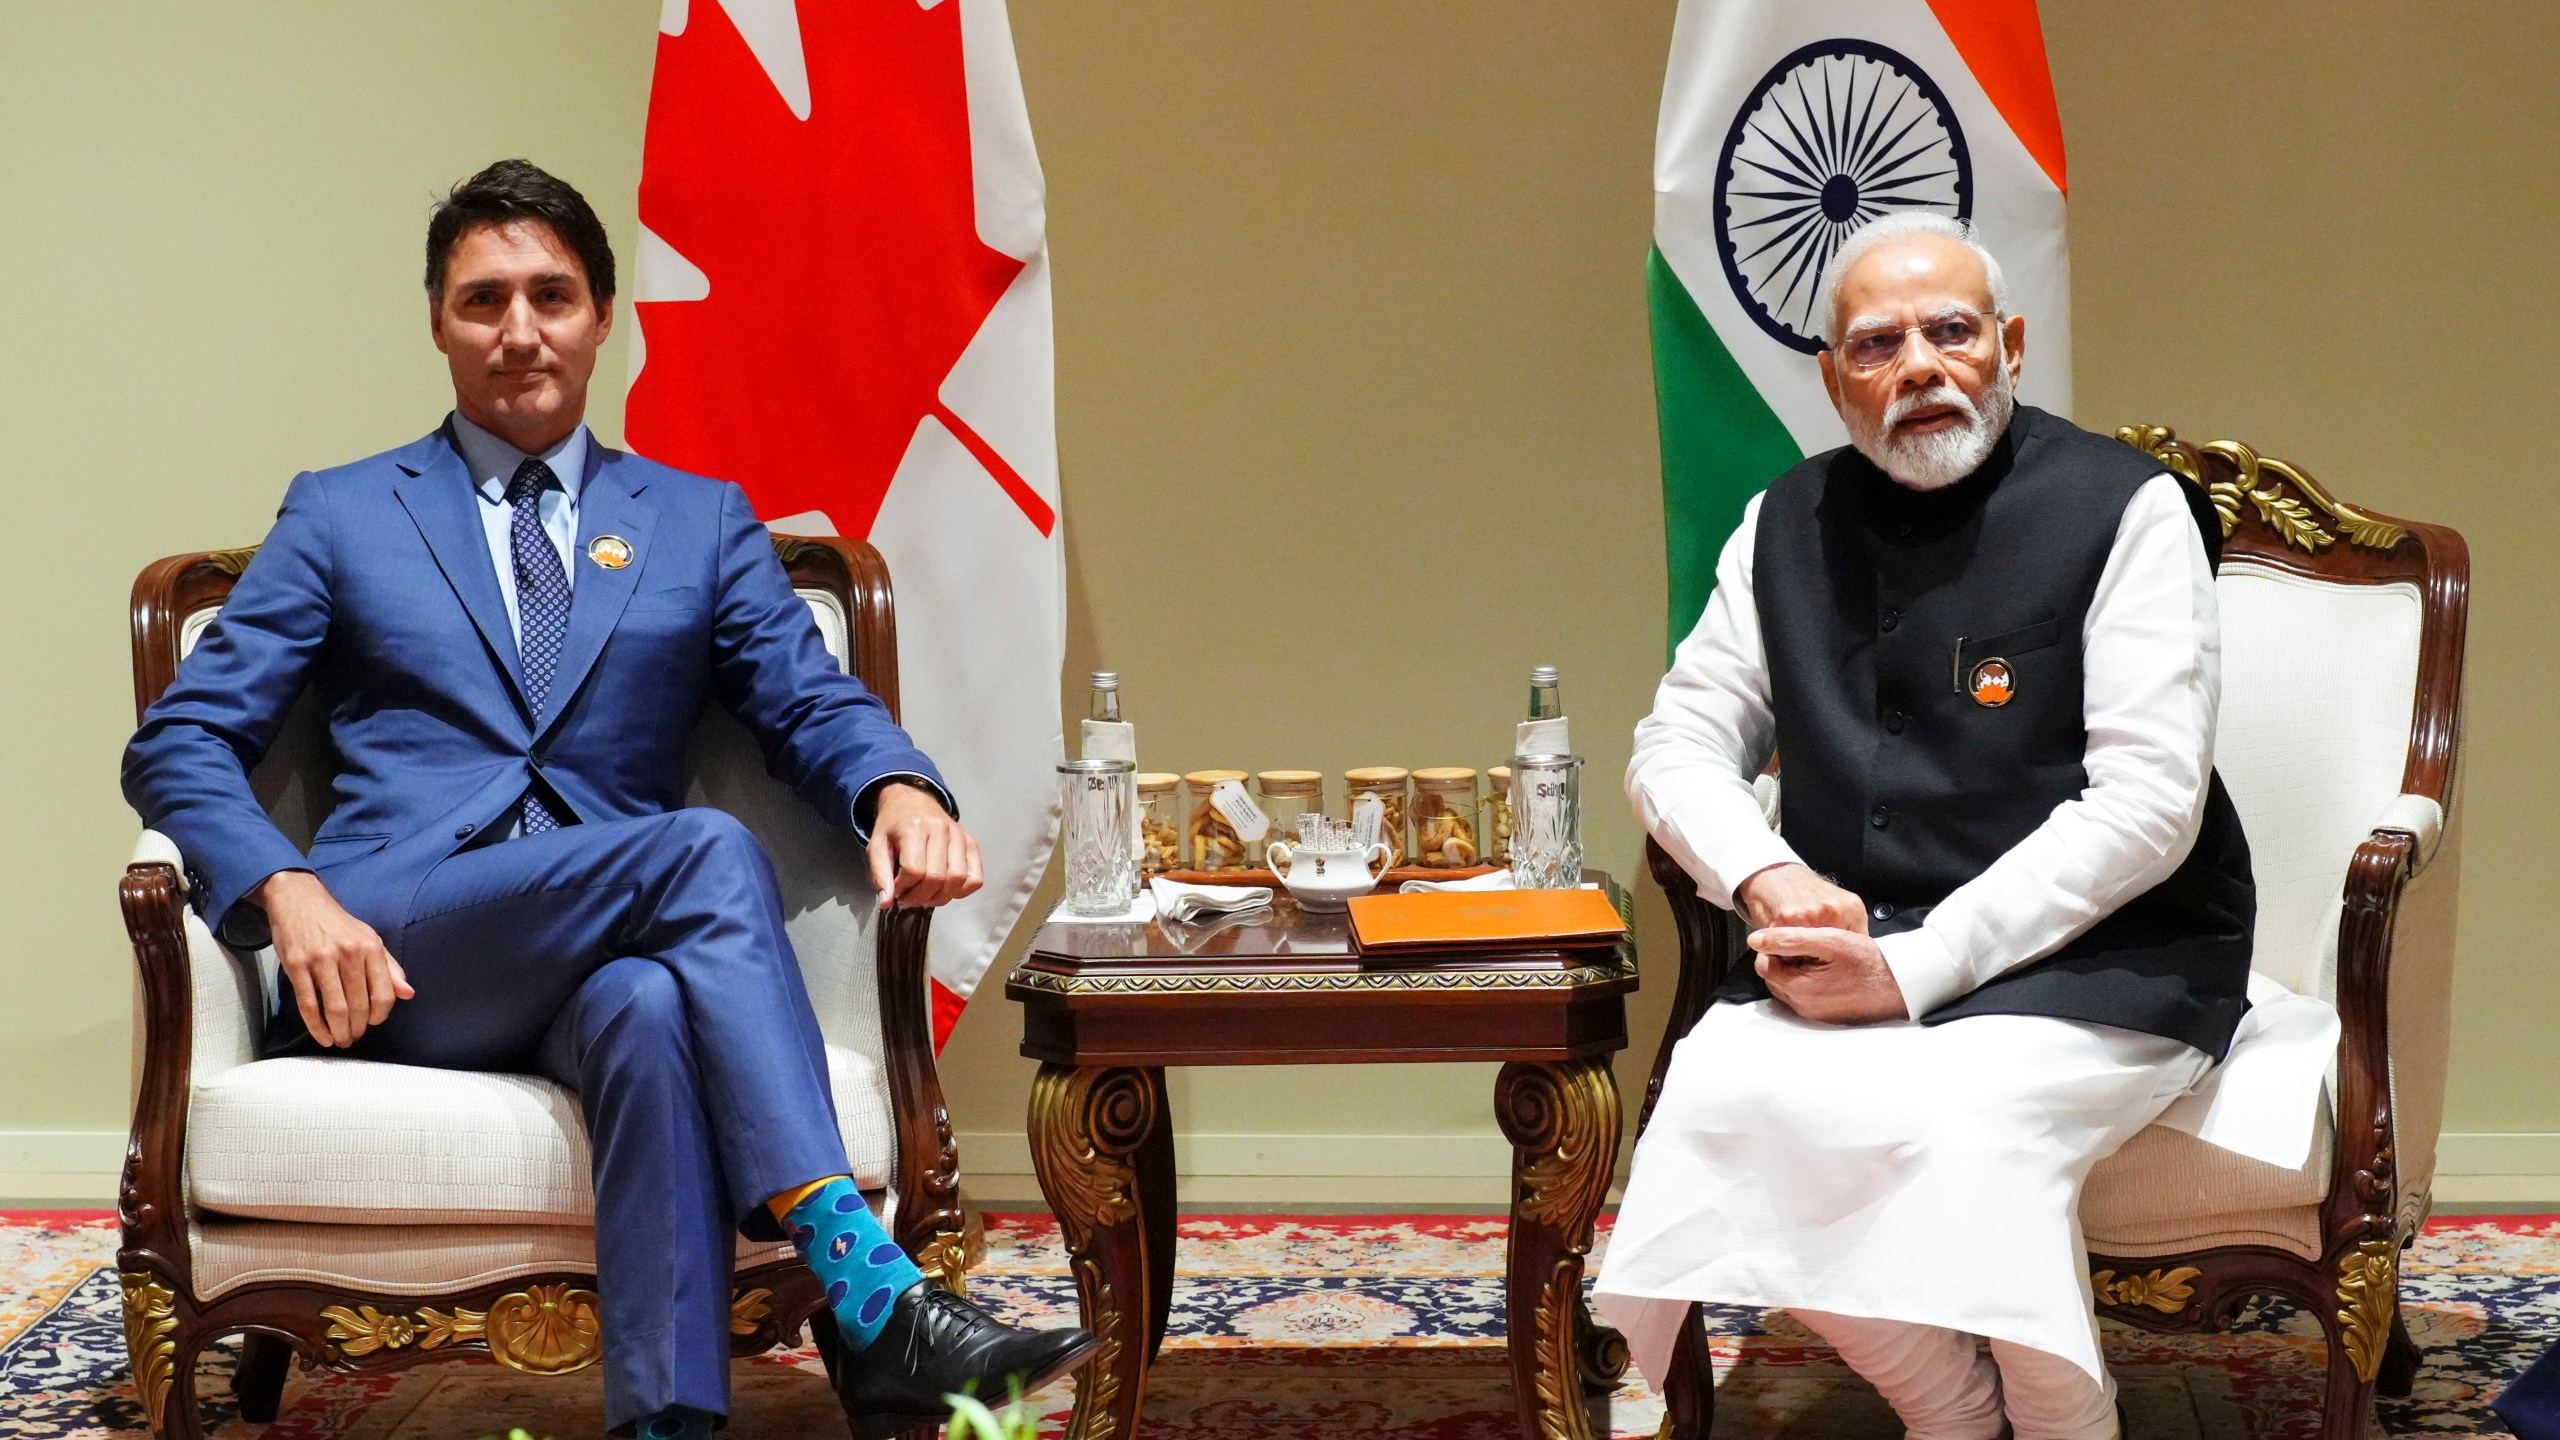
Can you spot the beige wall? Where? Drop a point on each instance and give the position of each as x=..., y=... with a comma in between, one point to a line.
x=1345, y=291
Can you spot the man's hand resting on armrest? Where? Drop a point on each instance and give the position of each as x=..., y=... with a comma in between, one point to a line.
x=919, y=854
x=1813, y=949
x=343, y=980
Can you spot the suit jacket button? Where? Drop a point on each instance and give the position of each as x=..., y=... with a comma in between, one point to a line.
x=464, y=833
x=1881, y=816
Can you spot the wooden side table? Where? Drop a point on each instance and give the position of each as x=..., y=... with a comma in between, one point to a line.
x=1107, y=1007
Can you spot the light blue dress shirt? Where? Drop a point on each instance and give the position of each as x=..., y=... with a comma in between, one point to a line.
x=493, y=463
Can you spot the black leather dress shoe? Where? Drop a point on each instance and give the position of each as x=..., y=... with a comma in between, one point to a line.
x=938, y=1344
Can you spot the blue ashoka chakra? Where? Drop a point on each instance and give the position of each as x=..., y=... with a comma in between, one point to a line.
x=1835, y=135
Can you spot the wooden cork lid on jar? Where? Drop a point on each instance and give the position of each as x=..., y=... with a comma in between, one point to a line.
x=1205, y=779
x=1291, y=782
x=1377, y=775
x=1444, y=775
x=1156, y=780
x=1500, y=775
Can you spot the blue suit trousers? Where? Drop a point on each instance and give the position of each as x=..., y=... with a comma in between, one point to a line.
x=642, y=963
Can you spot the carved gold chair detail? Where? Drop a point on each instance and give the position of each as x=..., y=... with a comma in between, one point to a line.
x=367, y=1216
x=2340, y=732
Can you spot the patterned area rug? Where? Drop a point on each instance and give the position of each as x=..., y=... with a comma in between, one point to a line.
x=1288, y=1326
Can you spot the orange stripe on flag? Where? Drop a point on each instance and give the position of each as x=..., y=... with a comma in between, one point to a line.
x=2002, y=42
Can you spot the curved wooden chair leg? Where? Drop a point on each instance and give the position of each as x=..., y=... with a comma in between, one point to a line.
x=1689, y=1396
x=258, y=1383
x=1599, y=1351
x=2346, y=1411
x=181, y=1413
x=2400, y=1360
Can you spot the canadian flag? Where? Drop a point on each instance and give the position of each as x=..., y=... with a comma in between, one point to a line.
x=843, y=284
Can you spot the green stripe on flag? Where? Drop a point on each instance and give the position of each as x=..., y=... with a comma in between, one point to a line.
x=1721, y=443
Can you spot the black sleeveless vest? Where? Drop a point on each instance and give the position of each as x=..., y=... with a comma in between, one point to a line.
x=1880, y=608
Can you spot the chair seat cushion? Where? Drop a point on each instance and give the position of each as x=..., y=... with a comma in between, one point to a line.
x=2167, y=1191
x=349, y=1141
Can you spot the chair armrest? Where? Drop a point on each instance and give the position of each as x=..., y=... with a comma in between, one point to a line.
x=2363, y=1177
x=152, y=1199
x=927, y=1184
x=2421, y=819
x=153, y=848
x=1709, y=939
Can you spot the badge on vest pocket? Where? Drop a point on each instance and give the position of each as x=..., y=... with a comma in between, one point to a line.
x=1991, y=683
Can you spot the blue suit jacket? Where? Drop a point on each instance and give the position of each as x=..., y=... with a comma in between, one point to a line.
x=376, y=586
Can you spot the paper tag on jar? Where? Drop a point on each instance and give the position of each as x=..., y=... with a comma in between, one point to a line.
x=1368, y=820
x=1111, y=740
x=1231, y=801
x=1542, y=737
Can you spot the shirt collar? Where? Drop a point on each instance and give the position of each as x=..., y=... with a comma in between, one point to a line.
x=493, y=461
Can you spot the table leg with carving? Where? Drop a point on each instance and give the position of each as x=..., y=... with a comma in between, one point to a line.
x=1562, y=1121
x=1156, y=1204
x=1088, y=1127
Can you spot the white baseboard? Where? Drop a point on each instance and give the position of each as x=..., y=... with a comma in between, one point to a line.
x=70, y=1167
x=80, y=1167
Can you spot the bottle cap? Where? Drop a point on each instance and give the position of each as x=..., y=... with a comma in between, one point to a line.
x=1106, y=679
x=1545, y=675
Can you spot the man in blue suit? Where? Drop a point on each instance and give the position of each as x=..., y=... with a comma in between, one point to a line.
x=514, y=631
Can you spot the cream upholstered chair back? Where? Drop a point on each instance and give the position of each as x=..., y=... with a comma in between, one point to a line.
x=827, y=896
x=2319, y=679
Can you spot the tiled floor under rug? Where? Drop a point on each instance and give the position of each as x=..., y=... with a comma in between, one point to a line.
x=1386, y=1327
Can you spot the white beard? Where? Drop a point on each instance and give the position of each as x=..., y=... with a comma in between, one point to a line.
x=1940, y=458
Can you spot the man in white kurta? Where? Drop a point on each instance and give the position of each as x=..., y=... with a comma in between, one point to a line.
x=1908, y=1190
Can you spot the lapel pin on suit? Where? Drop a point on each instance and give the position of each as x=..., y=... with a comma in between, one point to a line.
x=610, y=551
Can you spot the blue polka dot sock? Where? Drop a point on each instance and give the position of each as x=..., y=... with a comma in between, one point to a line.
x=676, y=1422
x=862, y=1270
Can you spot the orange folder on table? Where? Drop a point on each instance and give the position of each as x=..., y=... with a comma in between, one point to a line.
x=1483, y=920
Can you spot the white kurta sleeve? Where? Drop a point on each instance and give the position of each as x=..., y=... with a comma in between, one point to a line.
x=2152, y=679
x=1710, y=733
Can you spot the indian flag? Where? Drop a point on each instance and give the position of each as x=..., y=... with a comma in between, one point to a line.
x=1786, y=125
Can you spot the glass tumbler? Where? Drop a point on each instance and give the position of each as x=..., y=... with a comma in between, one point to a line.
x=1546, y=821
x=1100, y=797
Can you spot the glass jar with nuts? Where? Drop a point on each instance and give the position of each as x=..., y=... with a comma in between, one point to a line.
x=1385, y=783
x=1159, y=823
x=1445, y=833
x=1209, y=839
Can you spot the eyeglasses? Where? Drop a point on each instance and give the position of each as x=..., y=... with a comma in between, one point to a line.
x=1954, y=333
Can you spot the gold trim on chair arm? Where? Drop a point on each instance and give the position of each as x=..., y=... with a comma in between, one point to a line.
x=2261, y=482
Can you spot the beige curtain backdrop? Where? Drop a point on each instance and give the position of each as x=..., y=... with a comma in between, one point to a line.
x=1350, y=300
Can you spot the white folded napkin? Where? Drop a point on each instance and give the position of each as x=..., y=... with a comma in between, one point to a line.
x=1490, y=880
x=1175, y=901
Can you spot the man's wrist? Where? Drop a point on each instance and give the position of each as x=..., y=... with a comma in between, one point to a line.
x=282, y=884
x=1922, y=969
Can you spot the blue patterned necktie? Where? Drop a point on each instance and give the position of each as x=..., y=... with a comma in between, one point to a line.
x=542, y=607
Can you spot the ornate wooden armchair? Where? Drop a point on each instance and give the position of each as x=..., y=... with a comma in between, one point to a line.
x=369, y=1216
x=2342, y=636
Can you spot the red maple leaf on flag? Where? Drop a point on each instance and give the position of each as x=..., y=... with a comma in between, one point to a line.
x=846, y=274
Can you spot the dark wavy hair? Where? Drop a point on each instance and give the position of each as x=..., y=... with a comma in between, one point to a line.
x=512, y=191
